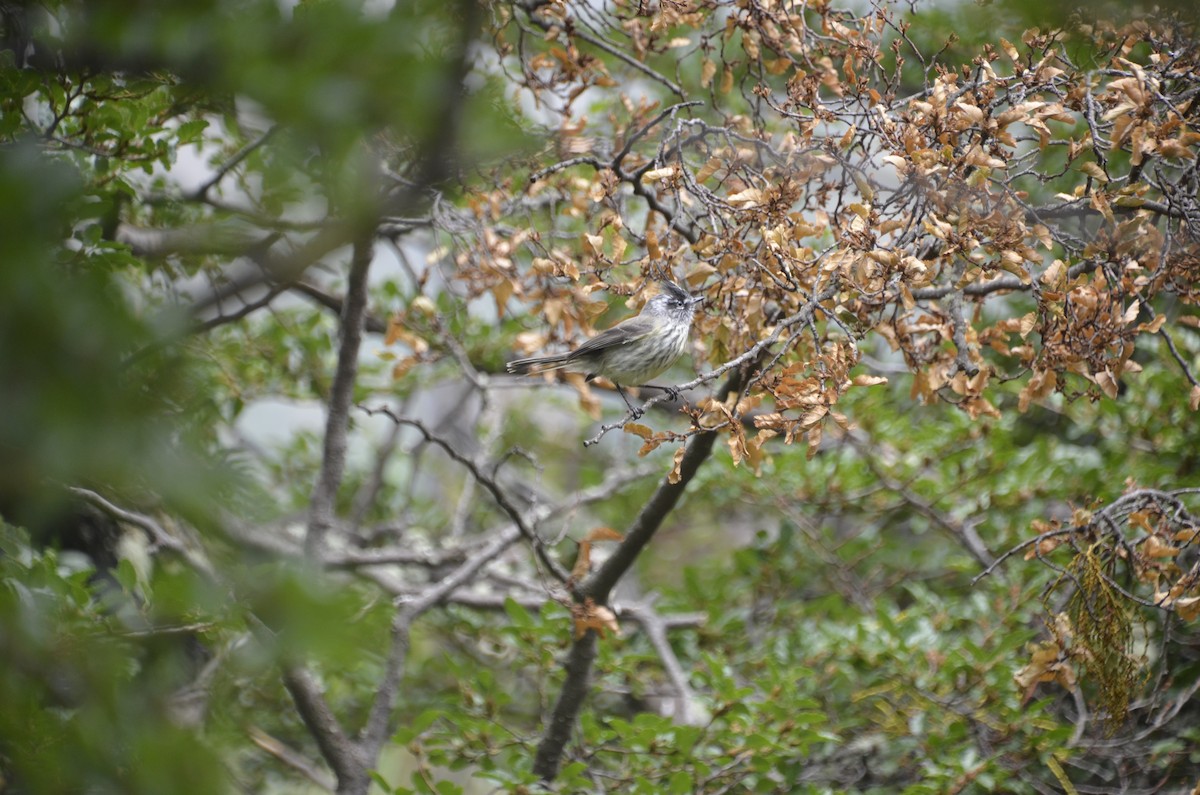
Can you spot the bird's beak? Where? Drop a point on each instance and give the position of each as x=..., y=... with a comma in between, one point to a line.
x=697, y=300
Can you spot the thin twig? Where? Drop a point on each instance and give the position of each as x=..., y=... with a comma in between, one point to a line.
x=599, y=43
x=961, y=531
x=498, y=495
x=291, y=757
x=201, y=191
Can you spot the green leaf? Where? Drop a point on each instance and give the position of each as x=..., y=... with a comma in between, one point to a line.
x=191, y=131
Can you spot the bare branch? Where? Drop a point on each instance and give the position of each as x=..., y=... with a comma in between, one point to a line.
x=291, y=757
x=498, y=495
x=371, y=323
x=337, y=421
x=685, y=710
x=220, y=238
x=158, y=534
x=375, y=731
x=577, y=667
x=280, y=268
x=1110, y=517
x=961, y=531
x=201, y=191
x=349, y=763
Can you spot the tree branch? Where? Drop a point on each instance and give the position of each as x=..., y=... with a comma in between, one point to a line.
x=599, y=585
x=333, y=460
x=156, y=531
x=501, y=499
x=375, y=732
x=371, y=323
x=222, y=238
x=291, y=758
x=655, y=626
x=201, y=191
x=570, y=700
x=595, y=41
x=349, y=764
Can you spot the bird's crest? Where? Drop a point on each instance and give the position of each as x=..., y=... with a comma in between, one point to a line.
x=675, y=291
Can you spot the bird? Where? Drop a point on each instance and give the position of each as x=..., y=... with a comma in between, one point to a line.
x=631, y=352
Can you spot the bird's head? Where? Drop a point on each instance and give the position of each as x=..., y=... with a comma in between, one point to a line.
x=673, y=300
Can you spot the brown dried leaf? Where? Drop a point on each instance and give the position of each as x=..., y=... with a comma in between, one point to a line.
x=1187, y=536
x=1043, y=547
x=638, y=430
x=501, y=292
x=1188, y=608
x=1153, y=326
x=1011, y=52
x=1107, y=383
x=395, y=328
x=1039, y=386
x=1093, y=170
x=747, y=198
x=583, y=561
x=618, y=253
x=1141, y=519
x=1047, y=663
x=603, y=533
x=656, y=174
x=650, y=446
x=708, y=169
x=590, y=615
x=587, y=398
x=814, y=435
x=749, y=403
x=401, y=368
x=1155, y=548
x=737, y=448
x=1055, y=276
x=674, y=475
x=593, y=244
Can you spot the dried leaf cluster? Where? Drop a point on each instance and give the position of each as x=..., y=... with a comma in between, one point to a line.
x=831, y=190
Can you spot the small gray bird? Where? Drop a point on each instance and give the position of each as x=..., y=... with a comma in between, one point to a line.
x=633, y=351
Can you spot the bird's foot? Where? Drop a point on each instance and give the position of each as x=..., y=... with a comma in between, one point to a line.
x=671, y=392
x=634, y=411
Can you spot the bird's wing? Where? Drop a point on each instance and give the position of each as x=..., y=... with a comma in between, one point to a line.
x=625, y=332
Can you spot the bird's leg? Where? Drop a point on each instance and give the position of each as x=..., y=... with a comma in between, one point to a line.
x=634, y=410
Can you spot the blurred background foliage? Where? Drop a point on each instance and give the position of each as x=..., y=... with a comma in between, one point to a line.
x=845, y=646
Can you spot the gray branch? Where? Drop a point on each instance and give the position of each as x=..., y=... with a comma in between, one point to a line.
x=599, y=585
x=333, y=461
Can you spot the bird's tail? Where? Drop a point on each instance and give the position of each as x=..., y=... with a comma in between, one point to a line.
x=538, y=364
